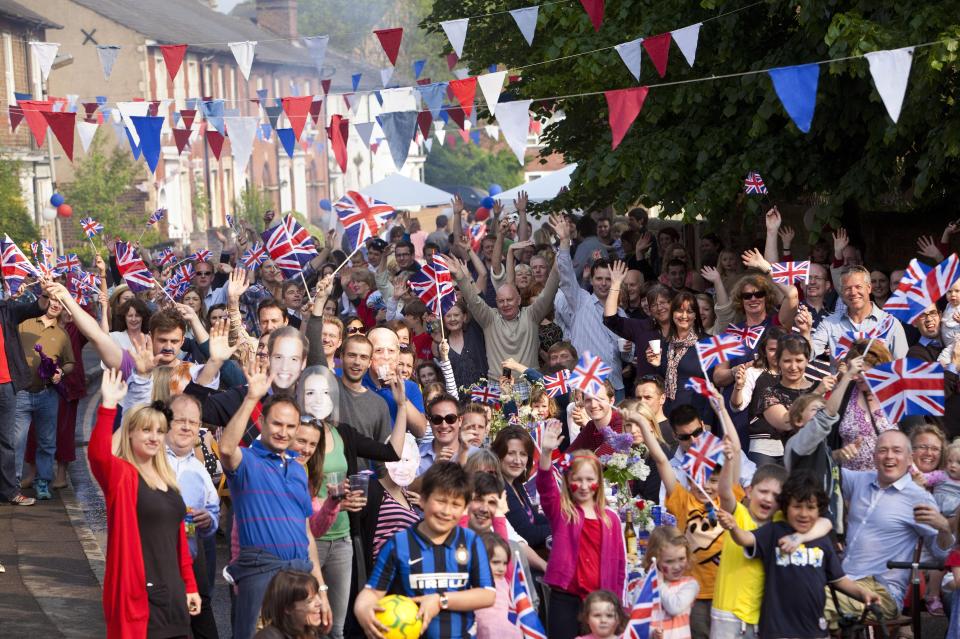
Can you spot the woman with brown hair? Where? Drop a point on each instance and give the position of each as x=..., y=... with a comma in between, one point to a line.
x=291, y=607
x=677, y=361
x=514, y=447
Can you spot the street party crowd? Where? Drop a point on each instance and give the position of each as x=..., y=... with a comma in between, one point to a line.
x=589, y=425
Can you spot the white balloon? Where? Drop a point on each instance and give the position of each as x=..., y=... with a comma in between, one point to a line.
x=49, y=214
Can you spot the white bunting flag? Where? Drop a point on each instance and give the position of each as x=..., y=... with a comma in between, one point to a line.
x=492, y=131
x=243, y=53
x=630, y=54
x=890, y=71
x=242, y=131
x=86, y=131
x=428, y=143
x=399, y=99
x=439, y=131
x=45, y=53
x=526, y=20
x=108, y=55
x=491, y=84
x=128, y=110
x=461, y=74
x=456, y=31
x=514, y=120
x=686, y=38
x=364, y=130
x=385, y=74
x=317, y=47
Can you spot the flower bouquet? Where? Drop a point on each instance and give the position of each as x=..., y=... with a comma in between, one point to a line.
x=623, y=465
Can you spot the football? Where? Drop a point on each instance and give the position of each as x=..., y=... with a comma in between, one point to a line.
x=400, y=617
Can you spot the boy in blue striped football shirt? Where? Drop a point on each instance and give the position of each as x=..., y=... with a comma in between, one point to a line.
x=442, y=566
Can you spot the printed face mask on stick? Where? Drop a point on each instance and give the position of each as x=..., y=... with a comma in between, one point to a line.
x=403, y=472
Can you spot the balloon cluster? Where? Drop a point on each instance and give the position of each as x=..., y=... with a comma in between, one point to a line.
x=59, y=207
x=488, y=202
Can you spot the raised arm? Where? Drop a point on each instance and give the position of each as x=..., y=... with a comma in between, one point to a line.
x=618, y=272
x=712, y=275
x=471, y=296
x=789, y=296
x=258, y=383
x=770, y=248
x=109, y=351
x=667, y=476
x=523, y=226
x=100, y=448
x=568, y=275
x=740, y=536
x=220, y=352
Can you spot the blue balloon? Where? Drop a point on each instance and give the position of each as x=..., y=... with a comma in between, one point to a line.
x=325, y=205
x=495, y=189
x=57, y=199
x=488, y=202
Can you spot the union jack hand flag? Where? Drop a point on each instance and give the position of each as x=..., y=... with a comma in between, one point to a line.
x=362, y=217
x=91, y=227
x=201, y=256
x=846, y=341
x=922, y=287
x=75, y=288
x=699, y=385
x=715, y=350
x=43, y=254
x=67, y=263
x=751, y=335
x=556, y=385
x=254, y=256
x=521, y=611
x=477, y=232
x=703, y=457
x=431, y=278
x=156, y=216
x=15, y=265
x=489, y=394
x=589, y=375
x=287, y=246
x=754, y=185
x=789, y=272
x=646, y=607
x=176, y=286
x=88, y=282
x=185, y=271
x=135, y=273
x=907, y=387
x=164, y=257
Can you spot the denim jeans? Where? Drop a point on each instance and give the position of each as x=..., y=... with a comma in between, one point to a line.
x=336, y=564
x=9, y=486
x=41, y=408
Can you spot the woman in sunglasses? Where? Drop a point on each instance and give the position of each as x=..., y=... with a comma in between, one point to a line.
x=354, y=326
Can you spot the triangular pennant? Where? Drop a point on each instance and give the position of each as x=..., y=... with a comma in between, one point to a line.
x=399, y=99
x=526, y=20
x=424, y=120
x=514, y=121
x=797, y=89
x=491, y=85
x=492, y=131
x=317, y=48
x=215, y=140
x=346, y=99
x=461, y=74
x=188, y=115
x=243, y=131
x=465, y=90
x=423, y=81
x=316, y=107
x=594, y=9
x=364, y=131
x=399, y=127
x=452, y=60
x=62, y=125
x=390, y=41
x=243, y=53
x=686, y=38
x=417, y=68
x=288, y=139
x=182, y=137
x=464, y=135
x=890, y=71
x=337, y=134
x=630, y=54
x=173, y=57
x=33, y=112
x=456, y=114
x=86, y=131
x=385, y=74
x=475, y=137
x=108, y=55
x=262, y=95
x=149, y=128
x=273, y=115
x=658, y=48
x=16, y=117
x=45, y=53
x=428, y=143
x=297, y=110
x=325, y=85
x=127, y=111
x=355, y=79
x=624, y=105
x=456, y=31
x=134, y=144
x=90, y=110
x=213, y=111
x=440, y=132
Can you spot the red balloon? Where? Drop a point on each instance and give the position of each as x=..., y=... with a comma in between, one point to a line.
x=482, y=214
x=64, y=210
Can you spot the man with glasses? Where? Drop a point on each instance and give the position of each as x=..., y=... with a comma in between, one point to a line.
x=404, y=254
x=203, y=280
x=687, y=427
x=818, y=295
x=444, y=414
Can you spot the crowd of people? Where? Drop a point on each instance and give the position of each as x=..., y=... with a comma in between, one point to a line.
x=344, y=442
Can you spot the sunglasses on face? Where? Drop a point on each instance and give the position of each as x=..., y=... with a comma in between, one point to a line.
x=204, y=273
x=689, y=436
x=436, y=420
x=355, y=330
x=755, y=295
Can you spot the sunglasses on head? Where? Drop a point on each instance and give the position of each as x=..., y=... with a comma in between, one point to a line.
x=689, y=436
x=436, y=420
x=756, y=295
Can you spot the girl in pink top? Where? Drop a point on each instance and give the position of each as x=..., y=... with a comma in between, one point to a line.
x=603, y=615
x=492, y=622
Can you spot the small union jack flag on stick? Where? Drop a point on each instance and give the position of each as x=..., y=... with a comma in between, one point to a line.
x=751, y=335
x=646, y=608
x=787, y=273
x=485, y=394
x=254, y=256
x=15, y=265
x=67, y=263
x=521, y=611
x=164, y=257
x=135, y=273
x=202, y=255
x=433, y=284
x=589, y=375
x=719, y=349
x=700, y=386
x=703, y=457
x=556, y=385
x=91, y=227
x=362, y=217
x=754, y=185
x=922, y=287
x=907, y=387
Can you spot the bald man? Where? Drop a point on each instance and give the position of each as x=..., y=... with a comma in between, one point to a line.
x=511, y=330
x=383, y=366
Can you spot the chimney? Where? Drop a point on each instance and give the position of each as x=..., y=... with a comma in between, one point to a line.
x=278, y=16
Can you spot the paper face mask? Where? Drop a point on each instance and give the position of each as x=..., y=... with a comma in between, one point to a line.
x=316, y=397
x=403, y=472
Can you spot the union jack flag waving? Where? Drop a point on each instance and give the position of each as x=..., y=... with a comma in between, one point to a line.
x=921, y=287
x=135, y=273
x=907, y=387
x=254, y=256
x=201, y=256
x=184, y=271
x=703, y=457
x=156, y=216
x=589, y=375
x=477, y=232
x=699, y=385
x=15, y=265
x=67, y=263
x=489, y=394
x=846, y=341
x=646, y=608
x=754, y=185
x=43, y=254
x=434, y=278
x=751, y=335
x=91, y=227
x=164, y=257
x=289, y=246
x=789, y=272
x=362, y=217
x=521, y=611
x=715, y=350
x=556, y=385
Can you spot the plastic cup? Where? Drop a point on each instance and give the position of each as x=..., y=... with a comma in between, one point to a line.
x=335, y=479
x=655, y=346
x=360, y=482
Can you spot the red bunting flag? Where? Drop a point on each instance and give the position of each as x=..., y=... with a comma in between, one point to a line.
x=187, y=115
x=658, y=48
x=390, y=41
x=173, y=57
x=337, y=134
x=91, y=110
x=625, y=106
x=452, y=60
x=456, y=114
x=315, y=108
x=16, y=116
x=325, y=85
x=33, y=112
x=423, y=81
x=62, y=125
x=297, y=110
x=464, y=90
x=594, y=9
x=215, y=140
x=424, y=120
x=182, y=138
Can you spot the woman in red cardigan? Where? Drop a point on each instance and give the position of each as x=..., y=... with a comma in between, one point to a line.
x=148, y=590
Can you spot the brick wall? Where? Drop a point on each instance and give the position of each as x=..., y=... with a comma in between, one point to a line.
x=22, y=139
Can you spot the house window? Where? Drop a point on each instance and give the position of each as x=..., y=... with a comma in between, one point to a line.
x=160, y=77
x=8, y=72
x=193, y=78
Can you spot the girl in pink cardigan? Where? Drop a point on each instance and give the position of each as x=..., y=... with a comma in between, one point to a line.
x=588, y=552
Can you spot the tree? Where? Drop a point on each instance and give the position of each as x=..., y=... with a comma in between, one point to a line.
x=252, y=204
x=471, y=165
x=14, y=219
x=692, y=145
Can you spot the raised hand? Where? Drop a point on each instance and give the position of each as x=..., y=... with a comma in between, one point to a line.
x=559, y=225
x=100, y=265
x=237, y=285
x=840, y=242
x=112, y=388
x=552, y=437
x=645, y=242
x=186, y=312
x=457, y=268
x=849, y=451
x=444, y=350
x=520, y=245
x=457, y=204
x=258, y=379
x=497, y=209
x=786, y=236
x=521, y=202
x=773, y=220
x=220, y=349
x=618, y=272
x=143, y=357
x=803, y=320
x=710, y=274
x=928, y=248
x=752, y=258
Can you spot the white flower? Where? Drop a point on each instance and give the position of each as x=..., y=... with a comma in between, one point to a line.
x=639, y=470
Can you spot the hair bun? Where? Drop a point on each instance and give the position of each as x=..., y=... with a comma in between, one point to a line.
x=162, y=407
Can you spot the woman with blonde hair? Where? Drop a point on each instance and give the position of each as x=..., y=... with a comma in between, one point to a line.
x=635, y=414
x=149, y=588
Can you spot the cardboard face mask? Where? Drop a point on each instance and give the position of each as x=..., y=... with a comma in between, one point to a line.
x=316, y=397
x=403, y=472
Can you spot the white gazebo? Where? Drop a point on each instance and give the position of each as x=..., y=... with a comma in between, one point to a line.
x=541, y=189
x=400, y=191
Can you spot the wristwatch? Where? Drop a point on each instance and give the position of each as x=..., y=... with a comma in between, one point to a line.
x=324, y=588
x=444, y=602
